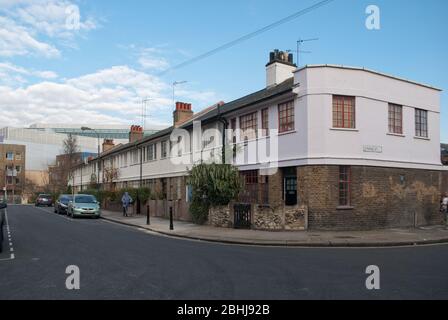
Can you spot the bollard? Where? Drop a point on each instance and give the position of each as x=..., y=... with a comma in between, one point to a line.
x=147, y=215
x=171, y=219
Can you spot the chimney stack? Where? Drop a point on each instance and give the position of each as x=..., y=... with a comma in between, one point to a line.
x=279, y=68
x=108, y=144
x=136, y=133
x=182, y=113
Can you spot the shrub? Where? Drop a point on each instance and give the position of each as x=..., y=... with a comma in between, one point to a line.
x=212, y=185
x=199, y=211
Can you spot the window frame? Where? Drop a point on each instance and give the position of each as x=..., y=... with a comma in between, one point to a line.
x=249, y=194
x=289, y=116
x=164, y=149
x=265, y=122
x=395, y=113
x=344, y=118
x=421, y=123
x=252, y=119
x=345, y=186
x=233, y=128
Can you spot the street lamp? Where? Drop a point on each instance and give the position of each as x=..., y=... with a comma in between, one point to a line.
x=98, y=156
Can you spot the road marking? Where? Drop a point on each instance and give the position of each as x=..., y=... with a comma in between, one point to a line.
x=11, y=248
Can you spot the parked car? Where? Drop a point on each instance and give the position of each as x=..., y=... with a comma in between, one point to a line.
x=83, y=205
x=44, y=200
x=3, y=205
x=60, y=206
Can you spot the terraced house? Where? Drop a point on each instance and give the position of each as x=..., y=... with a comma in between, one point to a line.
x=320, y=147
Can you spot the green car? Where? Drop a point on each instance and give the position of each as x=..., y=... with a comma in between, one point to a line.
x=83, y=205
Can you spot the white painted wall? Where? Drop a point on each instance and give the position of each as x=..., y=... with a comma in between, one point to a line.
x=373, y=93
x=278, y=72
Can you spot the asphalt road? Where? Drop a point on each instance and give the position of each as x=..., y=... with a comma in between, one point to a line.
x=119, y=262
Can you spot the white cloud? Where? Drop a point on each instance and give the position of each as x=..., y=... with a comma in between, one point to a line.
x=50, y=17
x=150, y=59
x=16, y=40
x=23, y=22
x=11, y=74
x=108, y=96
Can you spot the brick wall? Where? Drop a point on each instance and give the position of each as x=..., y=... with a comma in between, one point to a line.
x=381, y=197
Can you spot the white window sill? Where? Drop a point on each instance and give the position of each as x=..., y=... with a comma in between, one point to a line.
x=421, y=138
x=286, y=133
x=345, y=129
x=395, y=134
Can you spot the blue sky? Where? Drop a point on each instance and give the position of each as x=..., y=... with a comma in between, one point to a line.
x=101, y=70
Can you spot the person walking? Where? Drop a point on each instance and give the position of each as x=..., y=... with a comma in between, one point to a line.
x=126, y=200
x=445, y=206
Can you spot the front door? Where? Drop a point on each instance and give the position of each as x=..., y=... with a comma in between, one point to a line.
x=290, y=187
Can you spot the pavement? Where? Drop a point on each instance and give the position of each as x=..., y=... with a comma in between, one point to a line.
x=121, y=262
x=376, y=238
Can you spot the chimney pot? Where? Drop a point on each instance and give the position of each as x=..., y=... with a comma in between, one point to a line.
x=182, y=113
x=279, y=68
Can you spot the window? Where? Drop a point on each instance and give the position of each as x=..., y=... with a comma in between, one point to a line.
x=395, y=119
x=265, y=122
x=151, y=152
x=9, y=155
x=134, y=158
x=164, y=149
x=249, y=194
x=179, y=146
x=343, y=112
x=233, y=128
x=18, y=169
x=421, y=123
x=286, y=117
x=208, y=142
x=248, y=126
x=344, y=185
x=18, y=156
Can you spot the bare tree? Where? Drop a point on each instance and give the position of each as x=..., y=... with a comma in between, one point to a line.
x=69, y=160
x=71, y=145
x=111, y=174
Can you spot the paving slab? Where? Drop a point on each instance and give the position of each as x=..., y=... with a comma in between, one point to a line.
x=374, y=238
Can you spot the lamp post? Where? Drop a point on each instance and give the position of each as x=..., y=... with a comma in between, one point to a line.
x=98, y=156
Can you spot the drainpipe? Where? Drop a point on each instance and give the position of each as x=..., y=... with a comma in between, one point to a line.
x=140, y=179
x=225, y=125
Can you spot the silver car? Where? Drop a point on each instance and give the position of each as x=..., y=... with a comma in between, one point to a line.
x=83, y=205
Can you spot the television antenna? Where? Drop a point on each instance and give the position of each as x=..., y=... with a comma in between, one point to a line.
x=176, y=83
x=144, y=111
x=299, y=46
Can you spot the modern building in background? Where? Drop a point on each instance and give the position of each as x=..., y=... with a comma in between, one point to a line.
x=357, y=149
x=45, y=141
x=115, y=132
x=12, y=172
